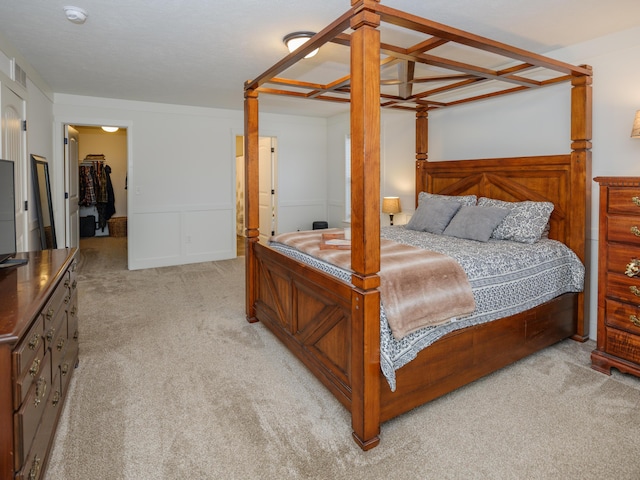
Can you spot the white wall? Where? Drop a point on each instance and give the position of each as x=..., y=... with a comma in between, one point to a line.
x=397, y=163
x=533, y=123
x=181, y=174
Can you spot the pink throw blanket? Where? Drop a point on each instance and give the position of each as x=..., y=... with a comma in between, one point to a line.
x=418, y=287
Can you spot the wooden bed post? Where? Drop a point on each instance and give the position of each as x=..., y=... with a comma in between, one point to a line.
x=422, y=149
x=365, y=218
x=251, y=212
x=581, y=133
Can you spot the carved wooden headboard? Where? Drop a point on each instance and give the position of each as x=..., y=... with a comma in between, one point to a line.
x=542, y=178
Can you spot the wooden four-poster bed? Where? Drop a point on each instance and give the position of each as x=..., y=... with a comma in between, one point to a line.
x=333, y=326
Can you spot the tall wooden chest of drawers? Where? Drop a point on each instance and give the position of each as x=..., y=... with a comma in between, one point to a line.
x=38, y=352
x=618, y=343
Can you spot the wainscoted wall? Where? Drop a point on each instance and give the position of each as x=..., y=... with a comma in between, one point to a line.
x=181, y=174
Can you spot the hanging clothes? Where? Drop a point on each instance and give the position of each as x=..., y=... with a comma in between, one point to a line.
x=106, y=201
x=87, y=189
x=96, y=188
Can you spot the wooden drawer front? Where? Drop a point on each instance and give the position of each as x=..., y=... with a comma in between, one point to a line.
x=27, y=361
x=623, y=229
x=72, y=282
x=27, y=418
x=67, y=365
x=623, y=287
x=53, y=328
x=623, y=344
x=73, y=317
x=60, y=343
x=619, y=256
x=623, y=316
x=37, y=456
x=624, y=200
x=58, y=299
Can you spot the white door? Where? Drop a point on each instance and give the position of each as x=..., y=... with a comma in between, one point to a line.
x=72, y=217
x=267, y=187
x=13, y=148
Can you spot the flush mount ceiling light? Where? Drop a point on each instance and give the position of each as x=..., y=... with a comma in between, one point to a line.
x=110, y=129
x=75, y=14
x=294, y=40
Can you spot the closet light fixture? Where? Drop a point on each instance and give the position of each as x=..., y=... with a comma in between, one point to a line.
x=75, y=14
x=294, y=40
x=635, y=131
x=110, y=129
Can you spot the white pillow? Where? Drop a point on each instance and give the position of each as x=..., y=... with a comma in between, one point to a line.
x=525, y=222
x=469, y=200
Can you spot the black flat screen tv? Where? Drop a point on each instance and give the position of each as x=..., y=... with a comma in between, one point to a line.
x=7, y=211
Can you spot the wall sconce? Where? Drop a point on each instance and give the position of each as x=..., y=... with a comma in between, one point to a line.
x=294, y=40
x=391, y=205
x=635, y=131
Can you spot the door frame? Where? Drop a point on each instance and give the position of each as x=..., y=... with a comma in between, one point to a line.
x=59, y=123
x=23, y=172
x=274, y=178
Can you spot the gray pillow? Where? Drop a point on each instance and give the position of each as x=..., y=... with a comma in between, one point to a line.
x=463, y=199
x=433, y=215
x=526, y=221
x=475, y=223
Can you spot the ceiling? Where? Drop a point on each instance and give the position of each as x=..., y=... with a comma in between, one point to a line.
x=200, y=52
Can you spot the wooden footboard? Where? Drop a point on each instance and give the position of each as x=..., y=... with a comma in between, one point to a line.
x=310, y=312
x=479, y=350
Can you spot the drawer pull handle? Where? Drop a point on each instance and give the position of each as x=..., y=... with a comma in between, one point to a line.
x=50, y=313
x=41, y=389
x=60, y=345
x=635, y=320
x=66, y=283
x=75, y=335
x=50, y=334
x=73, y=311
x=56, y=398
x=636, y=231
x=34, y=471
x=636, y=200
x=64, y=369
x=633, y=268
x=67, y=299
x=35, y=367
x=34, y=342
x=74, y=285
x=635, y=290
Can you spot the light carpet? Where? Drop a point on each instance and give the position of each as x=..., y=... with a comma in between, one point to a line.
x=173, y=383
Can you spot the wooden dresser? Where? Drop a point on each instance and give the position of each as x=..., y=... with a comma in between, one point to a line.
x=618, y=342
x=38, y=352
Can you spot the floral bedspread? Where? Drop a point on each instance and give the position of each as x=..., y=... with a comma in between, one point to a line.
x=506, y=278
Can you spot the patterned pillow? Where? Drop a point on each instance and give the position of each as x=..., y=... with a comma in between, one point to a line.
x=433, y=215
x=463, y=199
x=475, y=223
x=526, y=221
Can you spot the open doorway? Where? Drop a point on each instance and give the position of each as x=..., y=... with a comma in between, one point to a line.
x=267, y=190
x=96, y=164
